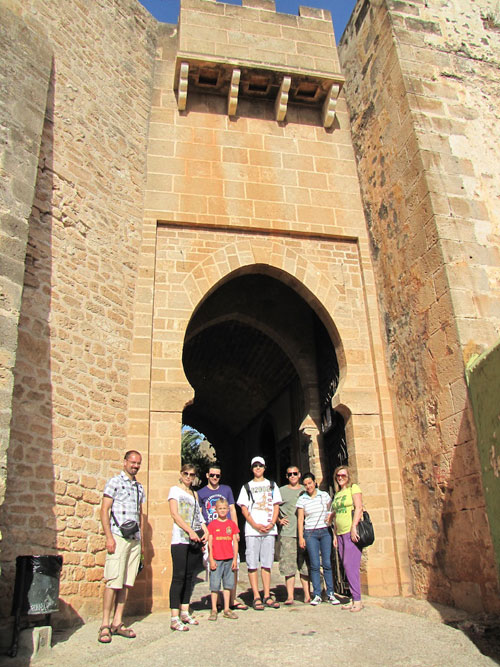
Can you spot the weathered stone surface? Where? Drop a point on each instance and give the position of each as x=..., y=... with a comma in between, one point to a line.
x=433, y=240
x=80, y=187
x=24, y=79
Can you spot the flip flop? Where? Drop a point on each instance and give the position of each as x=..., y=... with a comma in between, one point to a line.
x=273, y=605
x=288, y=603
x=239, y=606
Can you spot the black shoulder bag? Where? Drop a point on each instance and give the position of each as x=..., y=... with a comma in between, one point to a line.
x=364, y=530
x=129, y=528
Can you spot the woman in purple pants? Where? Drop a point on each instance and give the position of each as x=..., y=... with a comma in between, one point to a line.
x=348, y=498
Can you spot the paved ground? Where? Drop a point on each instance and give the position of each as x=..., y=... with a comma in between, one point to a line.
x=411, y=633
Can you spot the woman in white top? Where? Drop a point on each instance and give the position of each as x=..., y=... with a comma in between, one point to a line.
x=313, y=512
x=189, y=534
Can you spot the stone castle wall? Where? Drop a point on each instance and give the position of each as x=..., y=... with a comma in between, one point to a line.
x=117, y=260
x=421, y=78
x=69, y=410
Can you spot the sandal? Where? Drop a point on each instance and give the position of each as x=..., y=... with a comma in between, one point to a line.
x=213, y=616
x=187, y=619
x=104, y=634
x=288, y=603
x=357, y=606
x=177, y=625
x=239, y=605
x=257, y=604
x=122, y=631
x=274, y=604
x=230, y=614
x=347, y=605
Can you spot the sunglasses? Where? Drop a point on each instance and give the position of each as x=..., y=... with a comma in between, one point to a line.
x=258, y=465
x=341, y=475
x=213, y=474
x=292, y=474
x=189, y=474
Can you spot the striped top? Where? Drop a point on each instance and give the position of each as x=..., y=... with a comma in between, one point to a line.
x=316, y=509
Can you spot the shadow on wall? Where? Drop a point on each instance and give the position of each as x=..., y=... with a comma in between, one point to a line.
x=464, y=551
x=28, y=520
x=453, y=562
x=140, y=597
x=462, y=572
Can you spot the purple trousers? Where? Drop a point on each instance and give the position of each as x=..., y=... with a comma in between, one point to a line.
x=351, y=560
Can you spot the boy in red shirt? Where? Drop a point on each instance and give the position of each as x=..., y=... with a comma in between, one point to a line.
x=223, y=557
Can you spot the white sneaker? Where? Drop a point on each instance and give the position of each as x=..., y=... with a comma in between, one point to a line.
x=332, y=599
x=316, y=600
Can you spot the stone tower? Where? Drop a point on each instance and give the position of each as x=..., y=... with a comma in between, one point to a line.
x=422, y=86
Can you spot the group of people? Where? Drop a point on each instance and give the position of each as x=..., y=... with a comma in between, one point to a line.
x=205, y=526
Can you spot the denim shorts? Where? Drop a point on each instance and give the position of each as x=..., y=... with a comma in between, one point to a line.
x=223, y=573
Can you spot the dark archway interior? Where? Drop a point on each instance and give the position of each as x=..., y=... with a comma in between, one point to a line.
x=259, y=360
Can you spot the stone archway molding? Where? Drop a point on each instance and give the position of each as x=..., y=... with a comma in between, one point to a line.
x=330, y=276
x=279, y=261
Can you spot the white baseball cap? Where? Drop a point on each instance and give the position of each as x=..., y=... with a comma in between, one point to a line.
x=257, y=459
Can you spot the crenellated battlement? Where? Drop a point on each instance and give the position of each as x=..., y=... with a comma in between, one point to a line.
x=256, y=32
x=255, y=52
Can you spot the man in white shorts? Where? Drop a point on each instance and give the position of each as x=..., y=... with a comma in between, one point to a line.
x=121, y=514
x=260, y=501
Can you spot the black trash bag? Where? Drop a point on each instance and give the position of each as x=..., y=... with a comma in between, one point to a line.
x=36, y=589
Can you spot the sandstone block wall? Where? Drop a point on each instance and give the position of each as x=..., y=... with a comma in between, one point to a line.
x=226, y=193
x=421, y=78
x=24, y=80
x=69, y=412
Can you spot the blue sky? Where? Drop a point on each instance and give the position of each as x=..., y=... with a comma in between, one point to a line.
x=168, y=10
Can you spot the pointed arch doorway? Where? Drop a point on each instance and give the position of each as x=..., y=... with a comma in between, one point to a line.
x=263, y=368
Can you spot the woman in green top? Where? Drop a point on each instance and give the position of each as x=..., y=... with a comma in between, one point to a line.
x=348, y=498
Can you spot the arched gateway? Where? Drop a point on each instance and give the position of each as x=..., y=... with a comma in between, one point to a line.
x=264, y=346
x=262, y=366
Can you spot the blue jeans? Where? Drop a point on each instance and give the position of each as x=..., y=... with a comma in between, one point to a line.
x=319, y=541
